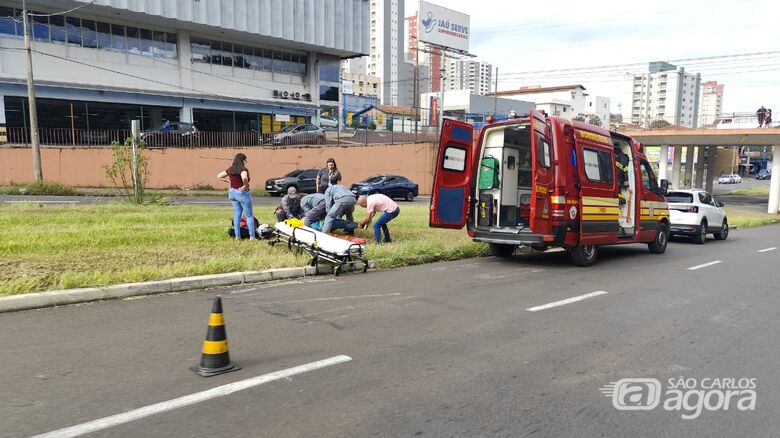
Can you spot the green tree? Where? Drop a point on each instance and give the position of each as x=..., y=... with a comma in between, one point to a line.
x=579, y=118
x=594, y=119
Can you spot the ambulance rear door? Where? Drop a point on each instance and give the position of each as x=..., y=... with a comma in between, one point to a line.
x=542, y=171
x=452, y=178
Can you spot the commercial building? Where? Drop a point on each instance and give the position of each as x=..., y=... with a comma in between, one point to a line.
x=386, y=49
x=458, y=103
x=711, y=103
x=664, y=92
x=464, y=74
x=560, y=101
x=225, y=66
x=361, y=85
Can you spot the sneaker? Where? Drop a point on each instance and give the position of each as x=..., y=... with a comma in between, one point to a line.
x=388, y=240
x=349, y=232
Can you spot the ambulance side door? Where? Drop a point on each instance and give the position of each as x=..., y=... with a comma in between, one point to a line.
x=542, y=171
x=598, y=199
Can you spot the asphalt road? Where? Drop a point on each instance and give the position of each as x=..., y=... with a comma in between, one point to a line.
x=446, y=349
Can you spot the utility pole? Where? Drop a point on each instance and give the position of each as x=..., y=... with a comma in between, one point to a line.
x=495, y=95
x=35, y=142
x=416, y=84
x=443, y=70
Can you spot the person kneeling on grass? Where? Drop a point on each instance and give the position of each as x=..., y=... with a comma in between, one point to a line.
x=290, y=206
x=375, y=204
x=339, y=201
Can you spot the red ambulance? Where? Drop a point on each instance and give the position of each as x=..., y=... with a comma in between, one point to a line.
x=547, y=181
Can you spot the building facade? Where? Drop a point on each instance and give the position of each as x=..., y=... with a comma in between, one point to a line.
x=361, y=85
x=711, y=103
x=244, y=65
x=599, y=107
x=386, y=49
x=664, y=92
x=463, y=74
x=561, y=101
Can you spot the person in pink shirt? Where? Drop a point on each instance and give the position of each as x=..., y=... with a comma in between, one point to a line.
x=389, y=210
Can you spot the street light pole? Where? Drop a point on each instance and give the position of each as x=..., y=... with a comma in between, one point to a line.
x=34, y=140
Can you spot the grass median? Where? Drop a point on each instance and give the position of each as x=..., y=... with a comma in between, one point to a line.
x=62, y=247
x=748, y=218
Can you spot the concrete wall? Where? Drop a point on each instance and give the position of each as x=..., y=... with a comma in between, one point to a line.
x=82, y=167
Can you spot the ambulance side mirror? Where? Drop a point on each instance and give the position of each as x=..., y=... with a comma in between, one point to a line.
x=663, y=187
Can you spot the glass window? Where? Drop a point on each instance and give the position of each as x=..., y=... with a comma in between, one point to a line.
x=543, y=152
x=7, y=27
x=329, y=93
x=598, y=165
x=279, y=65
x=329, y=72
x=57, y=29
x=268, y=60
x=160, y=44
x=118, y=41
x=88, y=34
x=40, y=26
x=104, y=36
x=227, y=54
x=454, y=159
x=238, y=57
x=648, y=177
x=677, y=197
x=201, y=50
x=133, y=40
x=147, y=42
x=705, y=198
x=253, y=58
x=172, y=45
x=73, y=29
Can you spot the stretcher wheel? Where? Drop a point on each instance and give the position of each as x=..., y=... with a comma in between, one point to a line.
x=365, y=267
x=336, y=270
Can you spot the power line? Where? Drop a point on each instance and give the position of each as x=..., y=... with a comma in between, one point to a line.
x=63, y=12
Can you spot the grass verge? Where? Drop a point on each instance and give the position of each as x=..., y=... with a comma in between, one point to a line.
x=43, y=188
x=748, y=218
x=752, y=191
x=61, y=247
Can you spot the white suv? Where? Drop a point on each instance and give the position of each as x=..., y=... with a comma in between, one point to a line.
x=696, y=213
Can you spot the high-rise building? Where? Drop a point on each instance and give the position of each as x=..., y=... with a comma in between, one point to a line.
x=664, y=92
x=711, y=106
x=469, y=75
x=386, y=49
x=427, y=57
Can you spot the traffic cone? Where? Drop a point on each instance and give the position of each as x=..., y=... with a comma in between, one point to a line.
x=215, y=358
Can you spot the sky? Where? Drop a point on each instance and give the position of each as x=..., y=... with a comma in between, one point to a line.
x=522, y=38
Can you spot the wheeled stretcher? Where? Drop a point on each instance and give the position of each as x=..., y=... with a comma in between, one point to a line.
x=322, y=247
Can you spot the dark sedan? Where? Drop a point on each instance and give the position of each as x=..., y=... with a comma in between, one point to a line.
x=392, y=186
x=303, y=180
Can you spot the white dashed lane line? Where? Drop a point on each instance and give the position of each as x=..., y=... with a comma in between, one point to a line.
x=767, y=249
x=705, y=265
x=566, y=301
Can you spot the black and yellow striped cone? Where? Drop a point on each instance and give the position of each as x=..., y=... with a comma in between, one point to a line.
x=216, y=358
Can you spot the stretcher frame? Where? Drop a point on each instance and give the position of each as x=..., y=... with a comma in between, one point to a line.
x=353, y=257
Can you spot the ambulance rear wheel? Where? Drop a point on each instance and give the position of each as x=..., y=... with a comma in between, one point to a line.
x=502, y=250
x=584, y=255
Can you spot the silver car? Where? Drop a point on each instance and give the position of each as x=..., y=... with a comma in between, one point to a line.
x=300, y=134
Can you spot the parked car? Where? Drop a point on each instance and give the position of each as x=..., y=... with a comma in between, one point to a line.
x=300, y=134
x=175, y=134
x=764, y=174
x=329, y=123
x=695, y=213
x=731, y=178
x=393, y=186
x=303, y=180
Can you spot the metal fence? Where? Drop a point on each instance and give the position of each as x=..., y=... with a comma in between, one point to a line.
x=291, y=137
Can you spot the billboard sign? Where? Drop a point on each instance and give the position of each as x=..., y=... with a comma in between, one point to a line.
x=433, y=111
x=443, y=27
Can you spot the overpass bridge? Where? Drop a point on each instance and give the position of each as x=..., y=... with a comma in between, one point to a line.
x=709, y=140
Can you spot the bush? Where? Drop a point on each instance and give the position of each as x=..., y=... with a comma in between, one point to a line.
x=120, y=172
x=372, y=126
x=41, y=188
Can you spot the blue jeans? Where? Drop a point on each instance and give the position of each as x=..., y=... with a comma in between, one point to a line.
x=381, y=225
x=242, y=203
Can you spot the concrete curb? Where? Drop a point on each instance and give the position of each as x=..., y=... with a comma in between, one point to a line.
x=53, y=298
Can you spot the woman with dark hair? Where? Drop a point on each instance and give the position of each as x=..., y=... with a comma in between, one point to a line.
x=327, y=174
x=237, y=176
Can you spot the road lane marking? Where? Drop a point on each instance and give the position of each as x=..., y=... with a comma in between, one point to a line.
x=219, y=391
x=566, y=301
x=767, y=249
x=693, y=268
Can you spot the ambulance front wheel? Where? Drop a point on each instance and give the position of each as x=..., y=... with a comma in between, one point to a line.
x=502, y=250
x=584, y=255
x=658, y=246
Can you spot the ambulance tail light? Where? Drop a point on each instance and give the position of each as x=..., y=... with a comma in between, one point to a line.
x=558, y=202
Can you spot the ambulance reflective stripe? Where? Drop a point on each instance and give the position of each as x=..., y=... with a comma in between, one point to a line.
x=599, y=215
x=651, y=214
